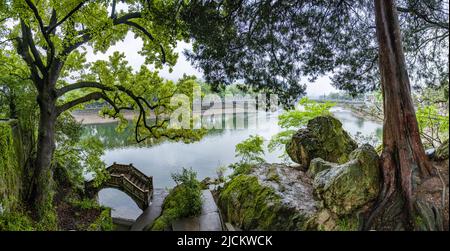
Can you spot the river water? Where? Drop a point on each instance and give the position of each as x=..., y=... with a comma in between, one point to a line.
x=215, y=149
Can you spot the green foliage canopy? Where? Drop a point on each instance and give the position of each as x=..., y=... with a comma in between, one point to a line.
x=274, y=44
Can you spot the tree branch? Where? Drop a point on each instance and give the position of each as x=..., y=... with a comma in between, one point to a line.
x=78, y=7
x=79, y=85
x=28, y=38
x=126, y=17
x=86, y=35
x=36, y=15
x=424, y=17
x=23, y=51
x=53, y=20
x=89, y=97
x=113, y=9
x=44, y=33
x=150, y=36
x=67, y=50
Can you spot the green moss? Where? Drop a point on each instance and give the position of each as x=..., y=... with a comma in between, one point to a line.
x=347, y=187
x=165, y=220
x=103, y=223
x=176, y=206
x=272, y=174
x=16, y=221
x=347, y=224
x=85, y=203
x=10, y=171
x=251, y=206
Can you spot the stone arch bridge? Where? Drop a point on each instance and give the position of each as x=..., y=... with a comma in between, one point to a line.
x=127, y=179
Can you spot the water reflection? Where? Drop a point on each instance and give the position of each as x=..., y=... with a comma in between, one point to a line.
x=161, y=158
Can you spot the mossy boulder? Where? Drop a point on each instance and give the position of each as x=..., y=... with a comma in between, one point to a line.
x=347, y=187
x=270, y=197
x=318, y=165
x=442, y=151
x=323, y=138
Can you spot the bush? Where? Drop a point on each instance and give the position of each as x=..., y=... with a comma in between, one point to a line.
x=16, y=221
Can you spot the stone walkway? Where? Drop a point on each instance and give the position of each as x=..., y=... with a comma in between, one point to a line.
x=209, y=220
x=152, y=212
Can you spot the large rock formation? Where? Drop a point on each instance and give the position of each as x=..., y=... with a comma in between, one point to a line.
x=271, y=197
x=347, y=187
x=338, y=182
x=322, y=138
x=279, y=197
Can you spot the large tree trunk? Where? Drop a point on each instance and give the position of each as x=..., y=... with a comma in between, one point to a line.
x=41, y=191
x=404, y=162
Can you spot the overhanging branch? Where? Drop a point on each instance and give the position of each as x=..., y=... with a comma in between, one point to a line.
x=89, y=97
x=150, y=36
x=80, y=85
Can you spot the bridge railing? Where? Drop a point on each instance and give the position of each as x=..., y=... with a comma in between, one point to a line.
x=120, y=178
x=132, y=171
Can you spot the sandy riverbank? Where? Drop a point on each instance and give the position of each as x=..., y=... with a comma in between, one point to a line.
x=89, y=117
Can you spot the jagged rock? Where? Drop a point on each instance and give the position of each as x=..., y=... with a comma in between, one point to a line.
x=442, y=151
x=322, y=138
x=347, y=187
x=318, y=165
x=270, y=197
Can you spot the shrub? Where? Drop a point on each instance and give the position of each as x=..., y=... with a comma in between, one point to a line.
x=16, y=221
x=184, y=200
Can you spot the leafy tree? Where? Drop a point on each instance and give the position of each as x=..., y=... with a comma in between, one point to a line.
x=49, y=37
x=276, y=43
x=251, y=150
x=433, y=126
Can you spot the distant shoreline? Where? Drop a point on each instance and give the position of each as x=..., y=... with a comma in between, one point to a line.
x=89, y=117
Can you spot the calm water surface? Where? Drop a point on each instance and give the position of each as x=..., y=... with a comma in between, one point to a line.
x=215, y=149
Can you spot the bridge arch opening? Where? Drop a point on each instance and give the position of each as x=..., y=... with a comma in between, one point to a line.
x=122, y=205
x=128, y=179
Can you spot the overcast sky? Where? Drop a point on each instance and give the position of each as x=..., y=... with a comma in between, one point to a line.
x=130, y=46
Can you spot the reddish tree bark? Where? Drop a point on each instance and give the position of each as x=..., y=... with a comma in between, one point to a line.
x=403, y=160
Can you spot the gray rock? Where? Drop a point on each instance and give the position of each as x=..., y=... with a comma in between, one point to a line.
x=442, y=151
x=347, y=187
x=318, y=165
x=322, y=138
x=270, y=197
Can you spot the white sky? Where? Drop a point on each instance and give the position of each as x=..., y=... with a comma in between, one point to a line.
x=130, y=46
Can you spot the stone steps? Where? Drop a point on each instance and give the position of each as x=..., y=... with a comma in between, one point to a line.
x=209, y=220
x=152, y=212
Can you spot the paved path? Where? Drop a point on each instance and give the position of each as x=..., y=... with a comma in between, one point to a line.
x=152, y=212
x=209, y=220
